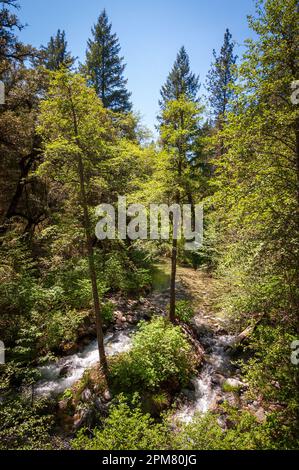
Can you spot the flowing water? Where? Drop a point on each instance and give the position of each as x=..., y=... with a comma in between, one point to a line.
x=61, y=375
x=207, y=387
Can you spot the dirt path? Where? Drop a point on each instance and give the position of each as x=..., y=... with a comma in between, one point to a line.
x=196, y=286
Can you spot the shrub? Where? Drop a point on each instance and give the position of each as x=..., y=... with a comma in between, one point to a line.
x=126, y=428
x=25, y=426
x=206, y=433
x=63, y=326
x=107, y=312
x=160, y=355
x=184, y=310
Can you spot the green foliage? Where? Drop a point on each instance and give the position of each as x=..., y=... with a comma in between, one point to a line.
x=180, y=82
x=270, y=370
x=62, y=326
x=221, y=77
x=160, y=356
x=107, y=312
x=55, y=54
x=24, y=426
x=104, y=66
x=184, y=311
x=206, y=433
x=126, y=428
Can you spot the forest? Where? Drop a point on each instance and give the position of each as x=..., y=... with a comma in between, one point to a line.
x=121, y=342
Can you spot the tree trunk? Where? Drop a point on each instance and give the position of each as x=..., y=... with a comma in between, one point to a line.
x=172, y=281
x=90, y=252
x=92, y=271
x=174, y=253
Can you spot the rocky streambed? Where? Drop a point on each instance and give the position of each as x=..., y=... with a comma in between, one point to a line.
x=217, y=380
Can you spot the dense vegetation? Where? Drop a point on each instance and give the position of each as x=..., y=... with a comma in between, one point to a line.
x=69, y=141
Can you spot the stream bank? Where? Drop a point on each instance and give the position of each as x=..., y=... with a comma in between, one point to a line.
x=218, y=379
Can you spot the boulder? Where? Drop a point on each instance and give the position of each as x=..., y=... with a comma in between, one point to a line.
x=86, y=395
x=83, y=418
x=64, y=371
x=235, y=383
x=107, y=395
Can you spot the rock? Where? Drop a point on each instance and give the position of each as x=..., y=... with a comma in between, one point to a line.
x=86, y=395
x=132, y=320
x=83, y=418
x=218, y=379
x=191, y=386
x=63, y=405
x=64, y=371
x=118, y=314
x=107, y=395
x=147, y=315
x=235, y=383
x=188, y=393
x=85, y=341
x=260, y=415
x=98, y=404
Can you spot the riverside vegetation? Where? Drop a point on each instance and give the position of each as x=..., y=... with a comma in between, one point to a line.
x=121, y=344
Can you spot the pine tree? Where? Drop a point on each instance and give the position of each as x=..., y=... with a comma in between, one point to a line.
x=55, y=54
x=180, y=81
x=220, y=77
x=11, y=49
x=105, y=67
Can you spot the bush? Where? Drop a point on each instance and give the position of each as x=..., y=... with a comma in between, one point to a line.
x=25, y=426
x=63, y=326
x=126, y=428
x=107, y=312
x=160, y=355
x=184, y=310
x=205, y=433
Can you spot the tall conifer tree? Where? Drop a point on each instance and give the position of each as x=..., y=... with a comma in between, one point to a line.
x=55, y=54
x=220, y=77
x=180, y=81
x=104, y=66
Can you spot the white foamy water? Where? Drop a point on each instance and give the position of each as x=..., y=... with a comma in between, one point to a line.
x=73, y=367
x=205, y=389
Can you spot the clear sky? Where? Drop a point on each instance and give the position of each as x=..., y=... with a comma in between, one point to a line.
x=150, y=33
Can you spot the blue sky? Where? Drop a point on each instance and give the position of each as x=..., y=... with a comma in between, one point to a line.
x=150, y=33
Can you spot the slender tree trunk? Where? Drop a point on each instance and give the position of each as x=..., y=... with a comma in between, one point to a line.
x=174, y=254
x=90, y=253
x=92, y=271
x=172, y=281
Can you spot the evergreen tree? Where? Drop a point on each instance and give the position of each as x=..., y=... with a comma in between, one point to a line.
x=180, y=81
x=220, y=77
x=55, y=54
x=105, y=67
x=11, y=50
